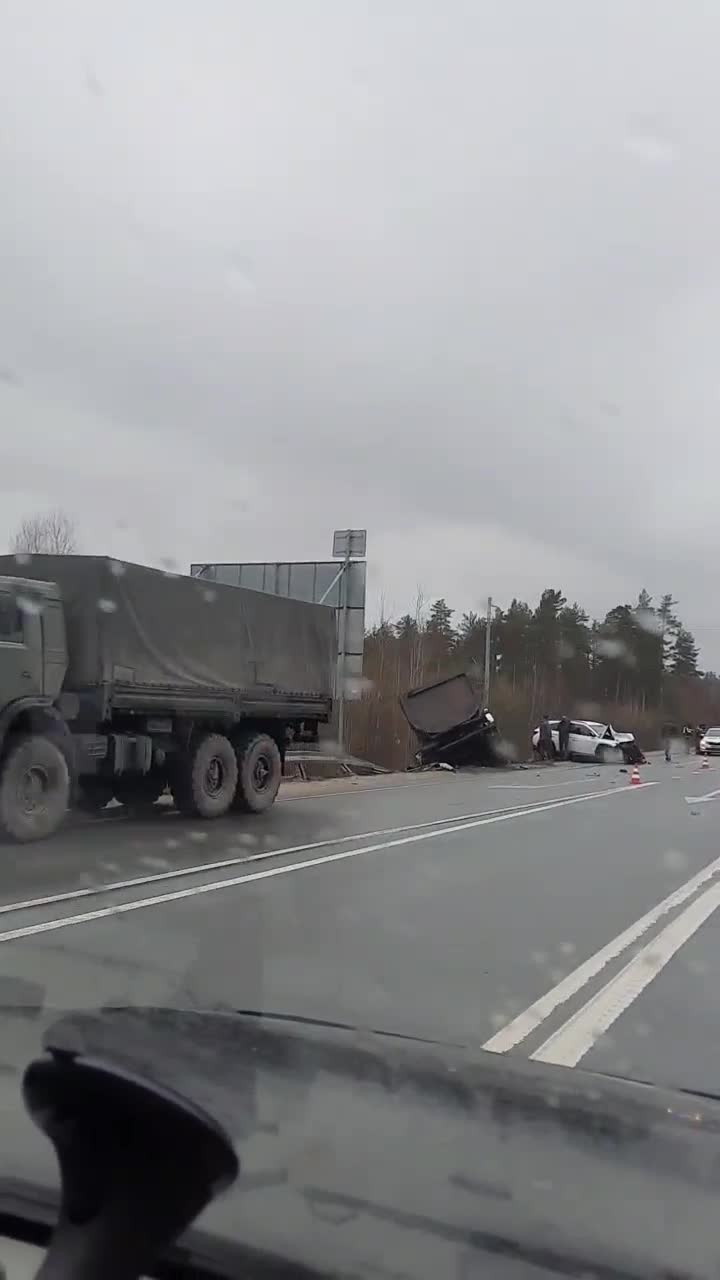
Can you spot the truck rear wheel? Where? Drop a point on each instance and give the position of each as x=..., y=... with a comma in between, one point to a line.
x=259, y=771
x=34, y=789
x=205, y=777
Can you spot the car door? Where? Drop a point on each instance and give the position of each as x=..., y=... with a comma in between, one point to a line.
x=582, y=740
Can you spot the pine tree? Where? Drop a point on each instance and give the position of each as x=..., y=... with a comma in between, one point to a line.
x=648, y=644
x=514, y=640
x=615, y=656
x=439, y=635
x=670, y=627
x=406, y=628
x=439, y=623
x=575, y=643
x=684, y=658
x=471, y=637
x=546, y=629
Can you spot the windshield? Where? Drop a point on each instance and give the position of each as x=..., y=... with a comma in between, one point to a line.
x=327, y=333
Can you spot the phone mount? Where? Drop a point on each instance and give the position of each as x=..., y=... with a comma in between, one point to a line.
x=137, y=1164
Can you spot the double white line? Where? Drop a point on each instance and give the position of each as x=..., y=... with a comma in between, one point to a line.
x=577, y=1035
x=569, y=1043
x=429, y=831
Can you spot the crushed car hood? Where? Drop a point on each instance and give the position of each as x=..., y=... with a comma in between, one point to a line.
x=367, y=1154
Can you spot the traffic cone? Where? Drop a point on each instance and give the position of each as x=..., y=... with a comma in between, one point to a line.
x=705, y=764
x=635, y=777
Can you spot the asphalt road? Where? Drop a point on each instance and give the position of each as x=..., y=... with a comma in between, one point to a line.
x=485, y=909
x=557, y=912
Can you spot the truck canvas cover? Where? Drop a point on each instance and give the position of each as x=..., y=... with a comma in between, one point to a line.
x=130, y=625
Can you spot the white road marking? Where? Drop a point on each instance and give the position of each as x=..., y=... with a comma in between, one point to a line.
x=536, y=786
x=177, y=895
x=702, y=799
x=531, y=1018
x=137, y=882
x=575, y=1037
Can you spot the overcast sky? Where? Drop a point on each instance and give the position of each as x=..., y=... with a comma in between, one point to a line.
x=448, y=272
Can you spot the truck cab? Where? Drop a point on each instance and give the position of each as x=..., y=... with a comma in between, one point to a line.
x=33, y=652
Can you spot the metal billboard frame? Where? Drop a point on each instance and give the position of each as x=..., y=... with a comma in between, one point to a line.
x=340, y=587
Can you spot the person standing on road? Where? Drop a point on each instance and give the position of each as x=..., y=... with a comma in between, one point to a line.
x=564, y=737
x=668, y=734
x=545, y=742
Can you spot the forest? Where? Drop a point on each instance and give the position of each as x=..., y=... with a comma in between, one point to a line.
x=635, y=668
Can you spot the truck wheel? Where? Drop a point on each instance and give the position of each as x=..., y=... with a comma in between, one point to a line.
x=259, y=771
x=138, y=790
x=34, y=789
x=205, y=777
x=93, y=794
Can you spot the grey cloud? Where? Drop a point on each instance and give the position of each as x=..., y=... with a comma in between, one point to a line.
x=418, y=269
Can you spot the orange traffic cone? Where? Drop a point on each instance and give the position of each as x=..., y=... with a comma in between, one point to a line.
x=705, y=764
x=635, y=777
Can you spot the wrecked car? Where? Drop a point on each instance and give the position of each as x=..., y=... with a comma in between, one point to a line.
x=590, y=740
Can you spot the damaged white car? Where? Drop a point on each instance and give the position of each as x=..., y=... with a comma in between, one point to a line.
x=590, y=740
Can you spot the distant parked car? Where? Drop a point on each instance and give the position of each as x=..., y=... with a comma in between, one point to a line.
x=590, y=740
x=710, y=742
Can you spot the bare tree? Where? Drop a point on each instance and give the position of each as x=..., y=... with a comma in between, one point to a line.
x=53, y=533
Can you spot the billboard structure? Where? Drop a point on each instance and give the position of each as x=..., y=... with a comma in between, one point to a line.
x=342, y=587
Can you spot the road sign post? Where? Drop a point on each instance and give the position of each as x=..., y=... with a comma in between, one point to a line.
x=347, y=543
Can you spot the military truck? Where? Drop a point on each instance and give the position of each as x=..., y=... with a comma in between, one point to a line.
x=118, y=681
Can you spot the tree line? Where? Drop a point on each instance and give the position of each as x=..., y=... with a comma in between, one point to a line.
x=630, y=656
x=634, y=667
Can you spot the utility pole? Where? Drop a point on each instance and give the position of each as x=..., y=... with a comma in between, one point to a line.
x=488, y=629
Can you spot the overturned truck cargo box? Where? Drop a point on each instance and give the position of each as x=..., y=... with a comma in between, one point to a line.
x=451, y=725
